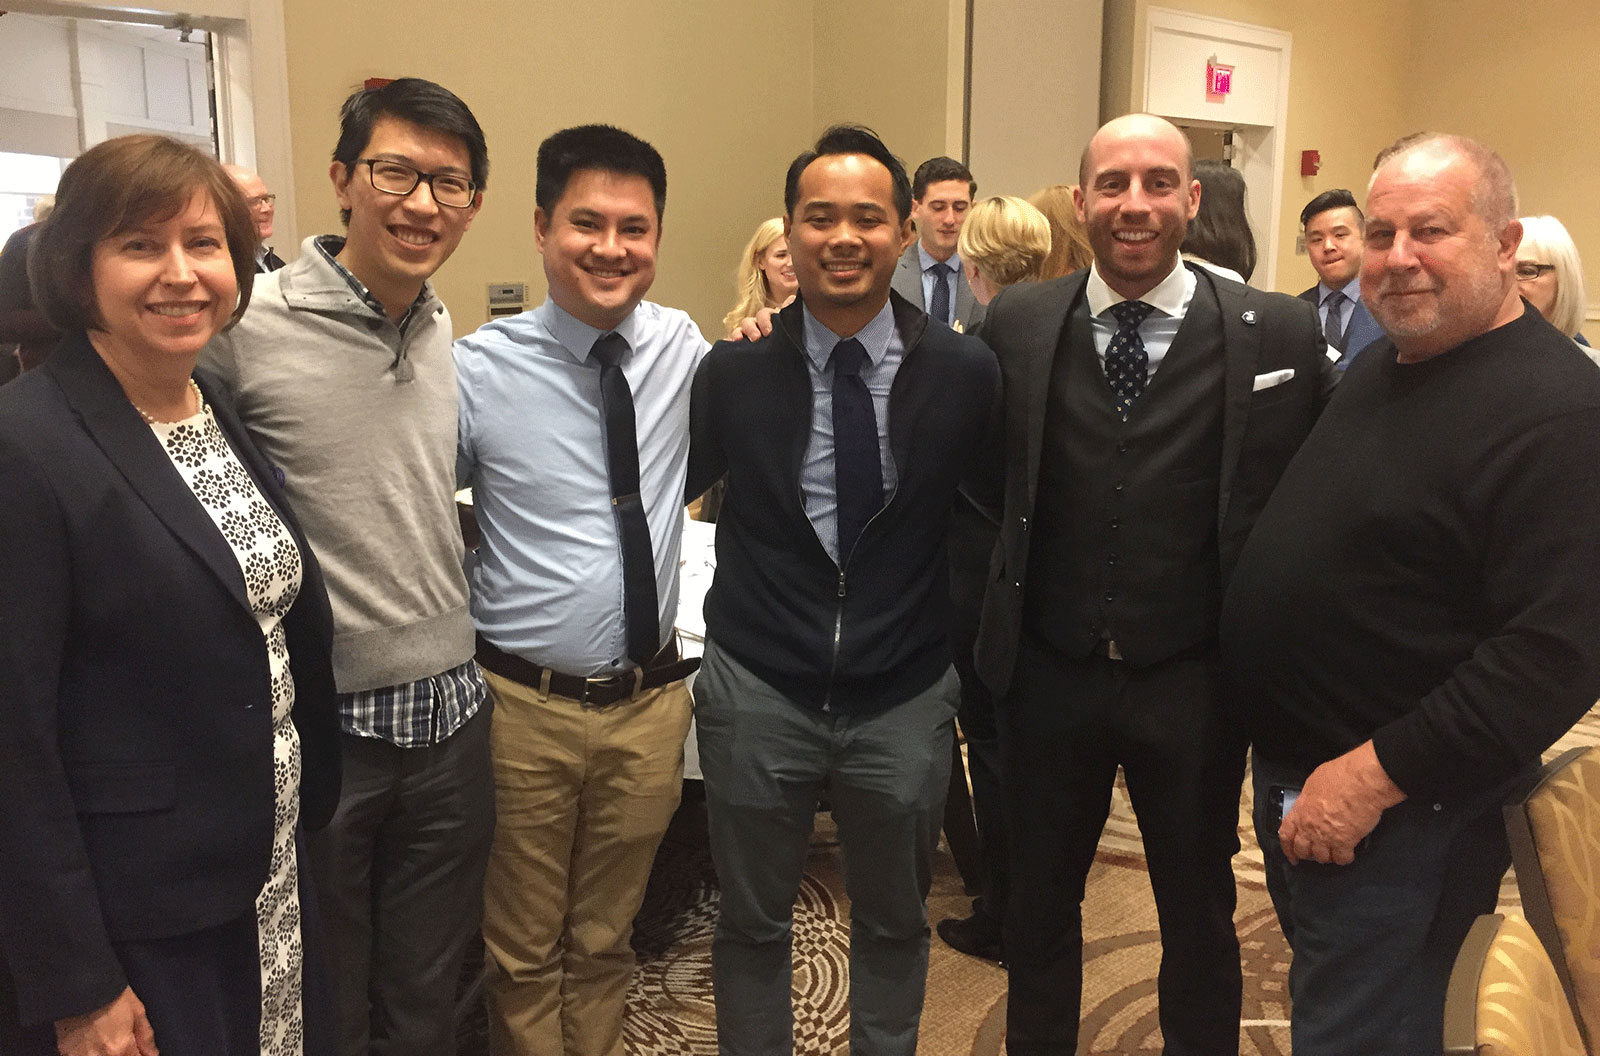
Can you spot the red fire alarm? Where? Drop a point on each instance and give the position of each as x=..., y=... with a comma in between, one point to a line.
x=1310, y=162
x=1219, y=80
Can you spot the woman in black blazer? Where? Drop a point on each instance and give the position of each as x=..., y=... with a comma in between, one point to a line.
x=167, y=713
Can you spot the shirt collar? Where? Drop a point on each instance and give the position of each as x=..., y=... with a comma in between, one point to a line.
x=927, y=258
x=577, y=337
x=262, y=249
x=874, y=337
x=330, y=246
x=1351, y=289
x=1167, y=297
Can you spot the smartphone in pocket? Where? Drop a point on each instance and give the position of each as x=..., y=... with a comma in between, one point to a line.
x=1280, y=800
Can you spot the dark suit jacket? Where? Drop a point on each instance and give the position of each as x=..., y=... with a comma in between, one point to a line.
x=1362, y=331
x=907, y=282
x=1028, y=326
x=136, y=776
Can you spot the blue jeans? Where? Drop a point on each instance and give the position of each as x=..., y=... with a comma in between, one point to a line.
x=1374, y=941
x=765, y=758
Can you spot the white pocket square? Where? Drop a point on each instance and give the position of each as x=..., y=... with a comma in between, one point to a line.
x=1276, y=377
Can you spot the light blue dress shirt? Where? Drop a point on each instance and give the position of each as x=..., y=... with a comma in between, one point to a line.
x=927, y=261
x=547, y=583
x=1347, y=307
x=885, y=352
x=1170, y=298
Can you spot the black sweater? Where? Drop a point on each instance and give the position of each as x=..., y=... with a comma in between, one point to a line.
x=1427, y=573
x=874, y=633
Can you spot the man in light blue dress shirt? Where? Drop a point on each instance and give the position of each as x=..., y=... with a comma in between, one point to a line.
x=587, y=737
x=1333, y=227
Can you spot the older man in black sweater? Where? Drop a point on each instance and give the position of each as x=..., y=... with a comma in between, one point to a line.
x=1413, y=619
x=826, y=655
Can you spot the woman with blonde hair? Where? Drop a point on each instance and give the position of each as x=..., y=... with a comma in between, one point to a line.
x=766, y=275
x=1003, y=240
x=1069, y=243
x=1550, y=275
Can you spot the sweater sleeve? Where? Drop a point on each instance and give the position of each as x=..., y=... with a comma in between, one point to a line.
x=1536, y=669
x=707, y=461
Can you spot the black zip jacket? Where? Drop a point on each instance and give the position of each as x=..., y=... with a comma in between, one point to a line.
x=869, y=635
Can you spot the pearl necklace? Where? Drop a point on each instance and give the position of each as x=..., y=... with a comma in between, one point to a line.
x=199, y=405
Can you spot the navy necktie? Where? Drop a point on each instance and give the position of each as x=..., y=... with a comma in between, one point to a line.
x=640, y=609
x=857, y=471
x=1127, y=364
x=1332, y=332
x=940, y=307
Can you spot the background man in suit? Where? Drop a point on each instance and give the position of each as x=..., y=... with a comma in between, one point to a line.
x=929, y=273
x=1413, y=620
x=1123, y=512
x=827, y=655
x=1333, y=225
x=263, y=205
x=341, y=370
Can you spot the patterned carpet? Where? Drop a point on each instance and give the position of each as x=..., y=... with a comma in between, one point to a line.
x=670, y=1010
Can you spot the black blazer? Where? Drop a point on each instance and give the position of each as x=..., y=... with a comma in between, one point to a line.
x=1028, y=324
x=136, y=780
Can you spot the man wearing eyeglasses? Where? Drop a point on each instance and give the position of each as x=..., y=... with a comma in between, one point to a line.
x=341, y=369
x=263, y=204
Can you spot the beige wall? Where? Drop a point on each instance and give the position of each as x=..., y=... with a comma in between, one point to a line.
x=1522, y=80
x=721, y=87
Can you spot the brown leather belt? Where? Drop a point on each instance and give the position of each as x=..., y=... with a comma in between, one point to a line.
x=663, y=669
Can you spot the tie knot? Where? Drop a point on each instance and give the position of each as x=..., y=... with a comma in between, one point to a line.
x=1131, y=313
x=1334, y=298
x=848, y=356
x=609, y=348
x=940, y=269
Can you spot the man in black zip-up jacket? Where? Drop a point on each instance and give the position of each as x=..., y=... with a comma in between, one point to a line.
x=827, y=656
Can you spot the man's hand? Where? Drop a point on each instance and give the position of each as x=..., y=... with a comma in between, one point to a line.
x=755, y=327
x=118, y=1029
x=1341, y=803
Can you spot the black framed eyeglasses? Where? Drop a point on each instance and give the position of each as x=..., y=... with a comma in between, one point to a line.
x=1527, y=269
x=394, y=177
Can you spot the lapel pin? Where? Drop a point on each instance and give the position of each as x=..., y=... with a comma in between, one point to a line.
x=1249, y=318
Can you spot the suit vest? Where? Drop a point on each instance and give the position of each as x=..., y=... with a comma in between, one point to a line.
x=1125, y=541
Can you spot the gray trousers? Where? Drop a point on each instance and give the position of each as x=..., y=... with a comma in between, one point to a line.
x=765, y=759
x=399, y=876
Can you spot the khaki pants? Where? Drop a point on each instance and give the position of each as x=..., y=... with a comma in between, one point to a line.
x=582, y=798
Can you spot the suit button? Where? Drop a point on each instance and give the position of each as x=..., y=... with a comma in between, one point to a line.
x=1122, y=447
x=1119, y=485
x=1024, y=524
x=1017, y=585
x=1111, y=559
x=1115, y=522
x=1110, y=596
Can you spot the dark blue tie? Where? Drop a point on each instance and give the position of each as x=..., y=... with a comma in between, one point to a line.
x=640, y=609
x=1332, y=332
x=857, y=471
x=1127, y=364
x=940, y=309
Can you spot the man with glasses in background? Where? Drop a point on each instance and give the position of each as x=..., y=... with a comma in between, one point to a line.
x=341, y=369
x=263, y=204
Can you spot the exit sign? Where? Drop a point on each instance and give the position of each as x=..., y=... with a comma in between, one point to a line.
x=1219, y=81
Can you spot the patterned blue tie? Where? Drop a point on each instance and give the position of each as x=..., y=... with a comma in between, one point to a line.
x=940, y=308
x=857, y=470
x=1127, y=365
